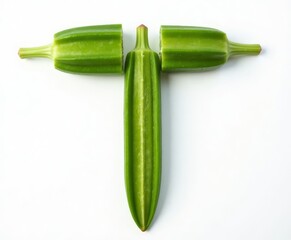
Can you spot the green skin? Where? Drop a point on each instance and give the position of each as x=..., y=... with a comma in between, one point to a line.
x=92, y=49
x=98, y=49
x=142, y=123
x=185, y=48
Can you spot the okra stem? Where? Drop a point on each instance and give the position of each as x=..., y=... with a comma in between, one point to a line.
x=142, y=37
x=42, y=51
x=244, y=49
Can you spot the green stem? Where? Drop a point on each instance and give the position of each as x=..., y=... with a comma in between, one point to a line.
x=244, y=49
x=142, y=37
x=42, y=51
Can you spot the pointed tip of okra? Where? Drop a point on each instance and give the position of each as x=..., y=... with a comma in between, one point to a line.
x=143, y=228
x=145, y=225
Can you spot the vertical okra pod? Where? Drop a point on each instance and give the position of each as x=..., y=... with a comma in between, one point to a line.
x=91, y=49
x=185, y=48
x=142, y=113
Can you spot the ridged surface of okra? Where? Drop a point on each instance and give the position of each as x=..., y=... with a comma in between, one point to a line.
x=142, y=113
x=90, y=49
x=189, y=48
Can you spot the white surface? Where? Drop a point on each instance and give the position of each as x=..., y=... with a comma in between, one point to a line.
x=226, y=133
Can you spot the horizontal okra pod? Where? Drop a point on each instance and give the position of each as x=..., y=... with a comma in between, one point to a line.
x=91, y=49
x=142, y=119
x=186, y=48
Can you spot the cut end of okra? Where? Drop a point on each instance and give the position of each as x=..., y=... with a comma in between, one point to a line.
x=91, y=49
x=186, y=48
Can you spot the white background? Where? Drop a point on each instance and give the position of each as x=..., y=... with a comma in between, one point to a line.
x=226, y=133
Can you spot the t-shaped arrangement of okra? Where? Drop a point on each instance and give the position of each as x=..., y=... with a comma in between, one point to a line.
x=99, y=49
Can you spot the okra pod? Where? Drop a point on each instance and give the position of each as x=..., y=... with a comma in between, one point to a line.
x=142, y=113
x=98, y=49
x=91, y=49
x=186, y=48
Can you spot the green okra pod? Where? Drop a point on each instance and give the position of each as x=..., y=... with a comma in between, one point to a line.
x=91, y=49
x=98, y=49
x=142, y=113
x=186, y=48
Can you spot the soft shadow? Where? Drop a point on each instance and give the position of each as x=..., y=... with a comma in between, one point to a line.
x=234, y=61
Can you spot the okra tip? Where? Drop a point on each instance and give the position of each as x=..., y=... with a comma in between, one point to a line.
x=143, y=227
